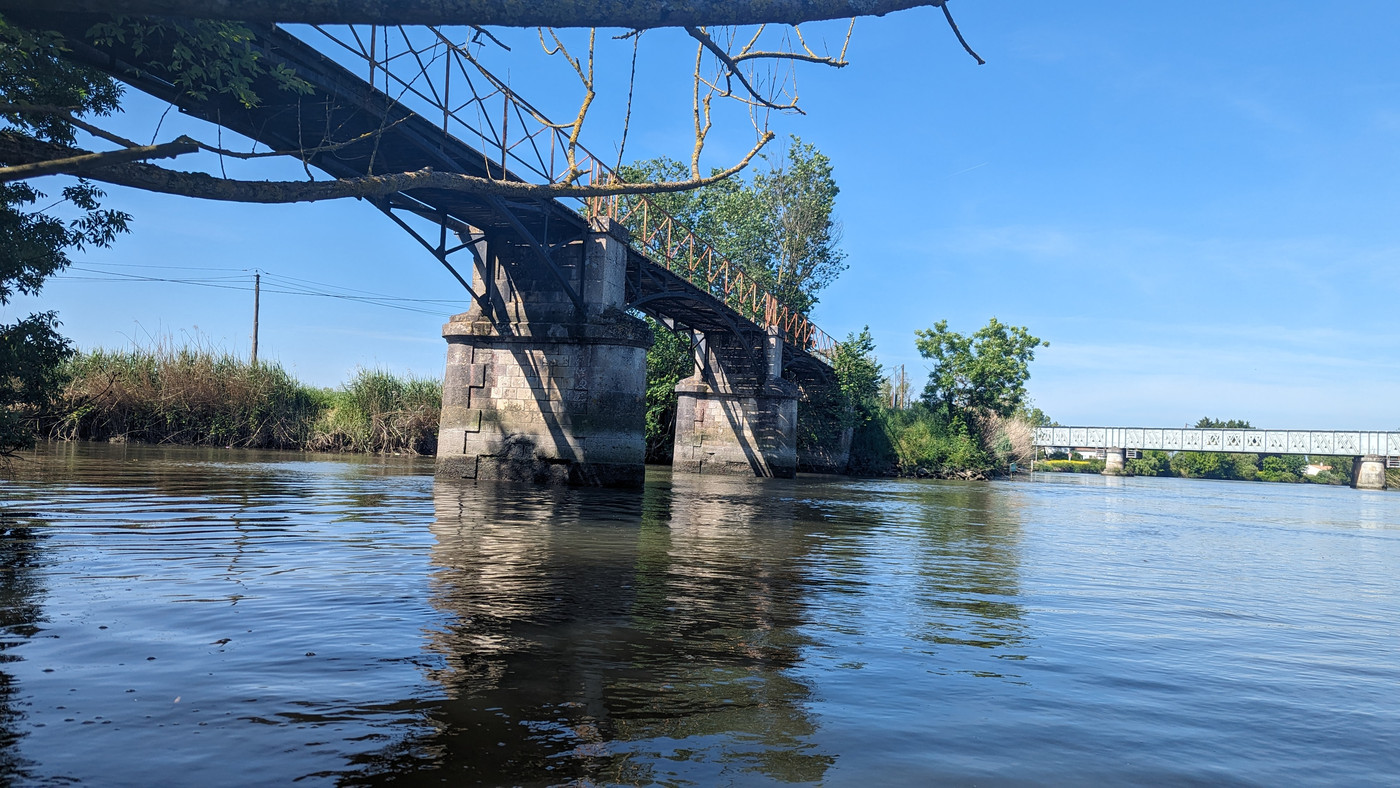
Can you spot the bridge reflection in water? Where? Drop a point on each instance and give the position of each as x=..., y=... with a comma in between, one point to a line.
x=577, y=646
x=680, y=634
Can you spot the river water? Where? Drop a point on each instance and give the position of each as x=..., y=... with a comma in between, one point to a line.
x=208, y=617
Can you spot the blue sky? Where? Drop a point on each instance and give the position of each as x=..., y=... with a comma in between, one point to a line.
x=1195, y=205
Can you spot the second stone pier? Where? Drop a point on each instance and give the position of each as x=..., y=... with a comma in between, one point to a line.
x=737, y=415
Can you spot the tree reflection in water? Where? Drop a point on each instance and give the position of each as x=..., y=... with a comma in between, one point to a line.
x=614, y=637
x=20, y=613
x=969, y=568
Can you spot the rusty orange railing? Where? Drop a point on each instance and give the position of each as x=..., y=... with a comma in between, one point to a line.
x=679, y=250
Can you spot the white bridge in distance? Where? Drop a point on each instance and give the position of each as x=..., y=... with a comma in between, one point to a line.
x=1318, y=442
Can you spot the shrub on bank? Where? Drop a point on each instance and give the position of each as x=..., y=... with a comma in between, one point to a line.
x=1151, y=463
x=1070, y=466
x=923, y=441
x=378, y=412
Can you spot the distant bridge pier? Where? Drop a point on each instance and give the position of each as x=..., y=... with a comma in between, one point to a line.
x=1368, y=472
x=546, y=372
x=737, y=415
x=1115, y=462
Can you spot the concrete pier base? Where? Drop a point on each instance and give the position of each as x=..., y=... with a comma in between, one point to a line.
x=1115, y=462
x=1368, y=472
x=737, y=415
x=552, y=404
x=538, y=389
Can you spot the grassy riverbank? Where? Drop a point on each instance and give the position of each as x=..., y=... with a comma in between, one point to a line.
x=197, y=396
x=202, y=397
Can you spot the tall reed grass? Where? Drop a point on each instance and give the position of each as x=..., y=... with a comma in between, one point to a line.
x=203, y=396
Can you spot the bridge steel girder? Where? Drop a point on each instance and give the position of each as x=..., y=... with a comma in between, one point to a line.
x=1351, y=443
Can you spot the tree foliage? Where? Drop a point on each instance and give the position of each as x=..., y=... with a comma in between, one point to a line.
x=1215, y=465
x=204, y=56
x=1207, y=423
x=1151, y=463
x=34, y=244
x=780, y=227
x=668, y=362
x=858, y=376
x=986, y=371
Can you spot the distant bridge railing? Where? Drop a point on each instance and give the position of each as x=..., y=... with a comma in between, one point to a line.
x=1333, y=442
x=423, y=66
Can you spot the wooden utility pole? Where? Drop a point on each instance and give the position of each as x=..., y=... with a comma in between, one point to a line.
x=257, y=294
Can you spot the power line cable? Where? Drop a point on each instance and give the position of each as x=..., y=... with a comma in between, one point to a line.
x=224, y=283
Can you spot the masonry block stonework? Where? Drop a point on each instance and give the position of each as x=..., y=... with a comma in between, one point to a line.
x=539, y=391
x=737, y=415
x=1368, y=472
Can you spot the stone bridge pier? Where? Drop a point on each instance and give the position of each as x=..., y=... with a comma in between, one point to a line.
x=737, y=415
x=1368, y=472
x=546, y=372
x=1115, y=462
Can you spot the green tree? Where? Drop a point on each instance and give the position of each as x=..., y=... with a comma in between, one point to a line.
x=668, y=362
x=34, y=244
x=780, y=227
x=799, y=191
x=1282, y=468
x=858, y=376
x=1151, y=463
x=1211, y=465
x=986, y=371
x=1207, y=423
x=1215, y=465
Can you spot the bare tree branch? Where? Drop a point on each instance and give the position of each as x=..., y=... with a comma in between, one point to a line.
x=586, y=77
x=26, y=150
x=67, y=114
x=803, y=57
x=302, y=153
x=733, y=70
x=949, y=16
x=85, y=161
x=631, y=88
x=632, y=14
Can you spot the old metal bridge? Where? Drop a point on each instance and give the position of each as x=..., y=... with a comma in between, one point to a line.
x=537, y=269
